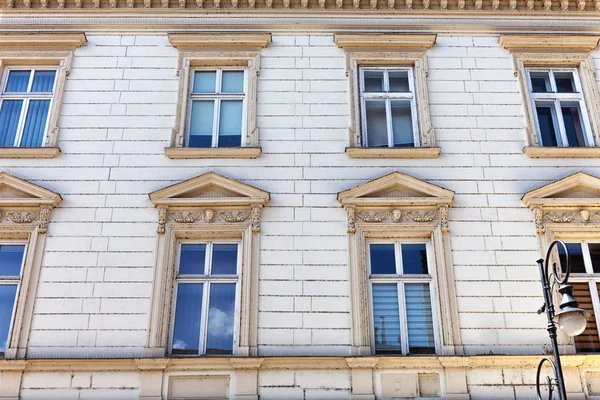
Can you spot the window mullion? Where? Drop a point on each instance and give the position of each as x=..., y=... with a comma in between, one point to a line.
x=30, y=82
x=398, y=256
x=403, y=319
x=208, y=259
x=561, y=124
x=21, y=123
x=204, y=317
x=216, y=113
x=587, y=259
x=388, y=120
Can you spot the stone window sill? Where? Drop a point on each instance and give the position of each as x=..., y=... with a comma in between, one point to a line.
x=212, y=152
x=393, y=152
x=562, y=152
x=29, y=152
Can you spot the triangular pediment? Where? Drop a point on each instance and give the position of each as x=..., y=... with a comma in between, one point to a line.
x=18, y=192
x=209, y=188
x=577, y=189
x=396, y=188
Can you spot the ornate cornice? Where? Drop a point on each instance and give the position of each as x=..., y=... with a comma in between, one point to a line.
x=207, y=41
x=549, y=42
x=54, y=41
x=384, y=41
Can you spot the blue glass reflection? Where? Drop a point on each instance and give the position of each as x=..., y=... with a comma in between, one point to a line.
x=414, y=259
x=204, y=82
x=201, y=125
x=186, y=333
x=35, y=124
x=17, y=81
x=7, y=302
x=383, y=260
x=220, y=319
x=11, y=258
x=224, y=259
x=43, y=81
x=233, y=82
x=9, y=121
x=192, y=259
x=230, y=123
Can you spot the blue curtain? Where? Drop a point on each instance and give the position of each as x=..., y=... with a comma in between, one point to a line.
x=43, y=81
x=35, y=124
x=17, y=81
x=9, y=119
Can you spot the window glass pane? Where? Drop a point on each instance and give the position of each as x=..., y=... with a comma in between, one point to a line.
x=17, y=81
x=564, y=82
x=224, y=259
x=398, y=81
x=545, y=114
x=595, y=256
x=230, y=123
x=192, y=259
x=414, y=259
x=419, y=318
x=383, y=259
x=402, y=124
x=376, y=124
x=204, y=81
x=43, y=81
x=7, y=302
x=373, y=81
x=573, y=125
x=386, y=319
x=201, y=125
x=576, y=255
x=233, y=82
x=540, y=82
x=220, y=319
x=11, y=258
x=9, y=121
x=186, y=333
x=588, y=341
x=35, y=123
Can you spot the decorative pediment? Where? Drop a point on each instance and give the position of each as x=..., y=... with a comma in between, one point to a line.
x=571, y=200
x=396, y=198
x=209, y=198
x=22, y=202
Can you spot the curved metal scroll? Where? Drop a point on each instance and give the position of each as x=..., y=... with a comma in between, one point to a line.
x=568, y=269
x=548, y=379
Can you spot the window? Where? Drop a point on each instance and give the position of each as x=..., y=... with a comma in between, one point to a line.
x=388, y=107
x=560, y=112
x=401, y=298
x=585, y=278
x=11, y=264
x=205, y=293
x=217, y=101
x=25, y=102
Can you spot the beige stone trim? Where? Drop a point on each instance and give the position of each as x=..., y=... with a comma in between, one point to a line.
x=29, y=152
x=217, y=50
x=562, y=152
x=206, y=207
x=24, y=218
x=212, y=152
x=221, y=41
x=549, y=42
x=399, y=206
x=393, y=152
x=47, y=41
x=585, y=65
x=384, y=41
x=394, y=56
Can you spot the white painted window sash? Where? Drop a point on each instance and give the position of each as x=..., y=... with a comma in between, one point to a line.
x=14, y=280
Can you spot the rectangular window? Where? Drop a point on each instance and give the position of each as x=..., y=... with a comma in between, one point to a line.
x=206, y=286
x=24, y=105
x=11, y=263
x=585, y=278
x=217, y=108
x=559, y=107
x=388, y=107
x=401, y=291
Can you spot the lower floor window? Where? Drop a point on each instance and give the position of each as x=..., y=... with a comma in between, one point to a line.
x=11, y=261
x=206, y=295
x=401, y=292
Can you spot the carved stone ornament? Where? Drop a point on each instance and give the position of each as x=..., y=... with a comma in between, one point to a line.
x=351, y=219
x=396, y=215
x=444, y=219
x=255, y=219
x=23, y=217
x=372, y=216
x=184, y=217
x=422, y=216
x=44, y=219
x=538, y=218
x=561, y=217
x=234, y=216
x=209, y=215
x=162, y=220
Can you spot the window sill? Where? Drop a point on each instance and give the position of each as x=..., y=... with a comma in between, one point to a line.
x=212, y=152
x=562, y=152
x=393, y=152
x=29, y=152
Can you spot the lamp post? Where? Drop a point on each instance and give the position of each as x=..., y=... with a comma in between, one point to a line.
x=571, y=319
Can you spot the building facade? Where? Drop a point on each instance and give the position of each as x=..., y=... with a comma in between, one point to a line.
x=294, y=200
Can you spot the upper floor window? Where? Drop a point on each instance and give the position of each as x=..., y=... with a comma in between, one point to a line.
x=559, y=107
x=388, y=107
x=205, y=299
x=401, y=297
x=25, y=103
x=11, y=263
x=217, y=108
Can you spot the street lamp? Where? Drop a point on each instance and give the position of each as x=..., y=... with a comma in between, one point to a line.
x=571, y=319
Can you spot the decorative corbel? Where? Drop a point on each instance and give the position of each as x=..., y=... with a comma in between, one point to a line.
x=351, y=218
x=44, y=219
x=444, y=220
x=162, y=220
x=255, y=219
x=538, y=218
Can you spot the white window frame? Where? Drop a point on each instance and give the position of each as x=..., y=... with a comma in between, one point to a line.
x=400, y=279
x=11, y=280
x=556, y=99
x=27, y=97
x=388, y=97
x=217, y=97
x=207, y=280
